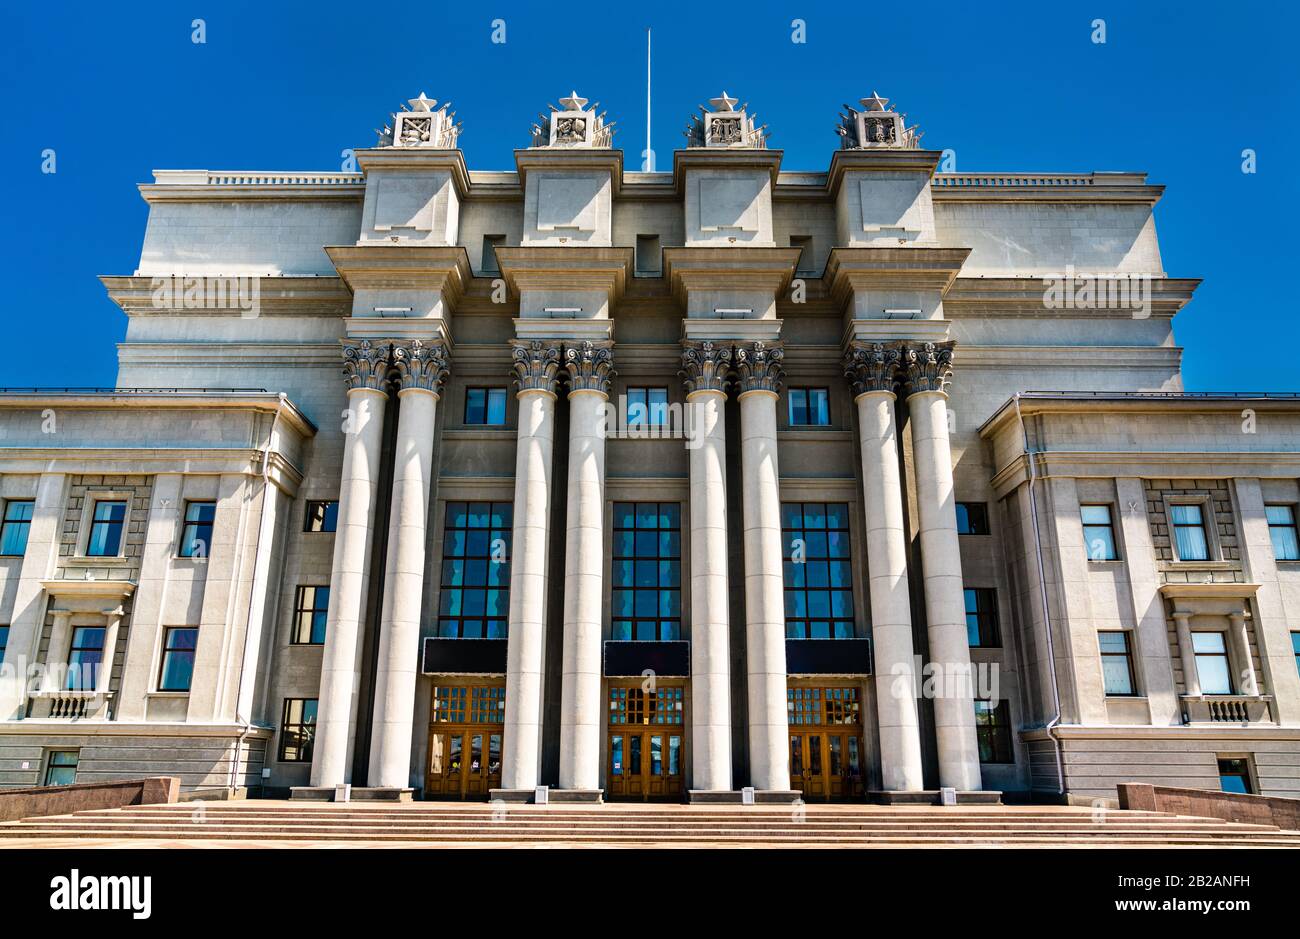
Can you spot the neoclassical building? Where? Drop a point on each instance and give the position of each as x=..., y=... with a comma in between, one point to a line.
x=868, y=482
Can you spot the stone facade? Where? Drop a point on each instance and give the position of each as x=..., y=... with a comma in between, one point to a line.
x=845, y=509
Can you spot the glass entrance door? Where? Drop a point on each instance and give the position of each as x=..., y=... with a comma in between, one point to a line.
x=465, y=733
x=826, y=757
x=646, y=743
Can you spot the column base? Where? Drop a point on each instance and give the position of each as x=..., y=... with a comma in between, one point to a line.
x=586, y=796
x=737, y=797
x=359, y=794
x=932, y=797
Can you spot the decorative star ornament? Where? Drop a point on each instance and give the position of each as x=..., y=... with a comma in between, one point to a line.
x=875, y=102
x=724, y=102
x=422, y=103
x=574, y=102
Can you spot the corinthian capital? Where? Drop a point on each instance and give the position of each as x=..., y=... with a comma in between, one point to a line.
x=590, y=366
x=927, y=366
x=705, y=366
x=758, y=366
x=421, y=364
x=872, y=366
x=365, y=364
x=536, y=365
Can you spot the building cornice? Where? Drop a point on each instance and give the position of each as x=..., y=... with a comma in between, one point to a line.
x=154, y=399
x=1025, y=296
x=596, y=159
x=729, y=268
x=882, y=159
x=705, y=158
x=1044, y=187
x=1071, y=402
x=252, y=186
x=852, y=269
x=138, y=295
x=417, y=159
x=566, y=267
x=444, y=268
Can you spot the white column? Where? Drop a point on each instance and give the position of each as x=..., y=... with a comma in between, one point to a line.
x=112, y=625
x=1191, y=677
x=55, y=677
x=872, y=369
x=422, y=369
x=1247, y=683
x=535, y=365
x=365, y=368
x=759, y=368
x=589, y=366
x=705, y=372
x=928, y=366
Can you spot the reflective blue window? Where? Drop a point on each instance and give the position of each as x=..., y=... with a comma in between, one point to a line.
x=474, y=601
x=485, y=405
x=818, y=570
x=646, y=575
x=17, y=523
x=809, y=407
x=106, y=530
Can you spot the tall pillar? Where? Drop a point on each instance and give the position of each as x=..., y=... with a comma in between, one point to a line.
x=872, y=370
x=535, y=366
x=1191, y=677
x=927, y=367
x=589, y=366
x=421, y=368
x=759, y=371
x=1246, y=680
x=365, y=367
x=704, y=373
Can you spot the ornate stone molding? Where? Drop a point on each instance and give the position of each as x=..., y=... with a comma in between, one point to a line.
x=758, y=366
x=927, y=366
x=536, y=365
x=706, y=366
x=873, y=366
x=365, y=364
x=421, y=364
x=590, y=366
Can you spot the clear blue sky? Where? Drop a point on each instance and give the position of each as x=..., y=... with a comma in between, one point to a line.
x=1178, y=90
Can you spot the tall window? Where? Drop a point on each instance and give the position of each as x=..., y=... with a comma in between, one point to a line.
x=15, y=527
x=1234, y=776
x=196, y=538
x=1281, y=526
x=972, y=518
x=321, y=516
x=1098, y=532
x=485, y=406
x=106, y=526
x=474, y=601
x=1116, y=663
x=4, y=642
x=647, y=571
x=993, y=731
x=647, y=407
x=85, y=658
x=1188, y=524
x=818, y=573
x=1295, y=645
x=809, y=407
x=297, y=730
x=1212, y=666
x=310, y=608
x=61, y=768
x=177, y=669
x=982, y=617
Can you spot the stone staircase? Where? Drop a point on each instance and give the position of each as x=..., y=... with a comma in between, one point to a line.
x=433, y=824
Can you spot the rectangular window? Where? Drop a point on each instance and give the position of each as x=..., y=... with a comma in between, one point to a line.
x=818, y=572
x=647, y=407
x=1188, y=524
x=805, y=245
x=972, y=518
x=321, y=516
x=61, y=768
x=177, y=669
x=1281, y=526
x=1098, y=532
x=809, y=407
x=993, y=731
x=107, y=522
x=4, y=642
x=485, y=406
x=490, y=264
x=297, y=730
x=1295, y=646
x=85, y=657
x=646, y=572
x=982, y=618
x=1116, y=663
x=196, y=537
x=474, y=601
x=16, y=526
x=310, y=608
x=1234, y=776
x=648, y=257
x=1212, y=666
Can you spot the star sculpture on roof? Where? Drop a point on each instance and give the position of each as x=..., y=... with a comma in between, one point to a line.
x=724, y=102
x=574, y=102
x=875, y=102
x=422, y=103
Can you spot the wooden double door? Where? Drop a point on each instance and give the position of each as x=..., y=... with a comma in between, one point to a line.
x=827, y=760
x=646, y=743
x=466, y=729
